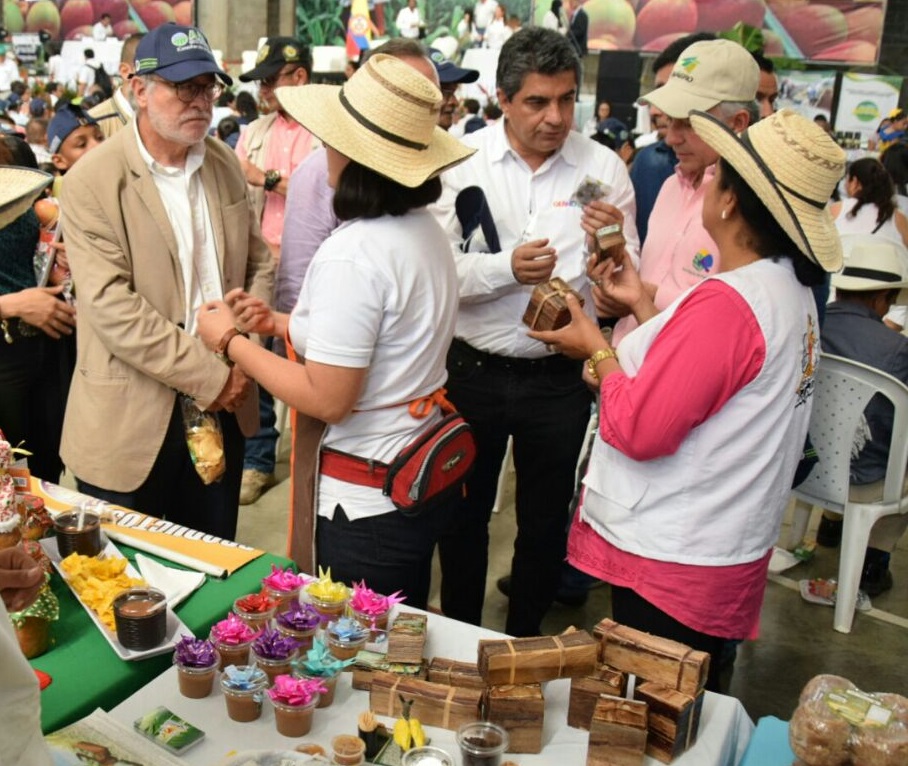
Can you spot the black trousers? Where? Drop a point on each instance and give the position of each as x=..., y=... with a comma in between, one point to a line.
x=173, y=489
x=630, y=609
x=391, y=552
x=545, y=407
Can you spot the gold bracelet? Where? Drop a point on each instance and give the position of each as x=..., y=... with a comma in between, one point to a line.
x=599, y=356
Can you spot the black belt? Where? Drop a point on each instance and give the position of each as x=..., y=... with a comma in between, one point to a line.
x=553, y=363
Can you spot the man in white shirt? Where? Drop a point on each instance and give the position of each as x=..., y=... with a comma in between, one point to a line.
x=157, y=222
x=483, y=13
x=114, y=112
x=409, y=21
x=102, y=29
x=547, y=190
x=86, y=76
x=9, y=73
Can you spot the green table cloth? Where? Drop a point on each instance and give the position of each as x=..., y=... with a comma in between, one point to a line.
x=86, y=673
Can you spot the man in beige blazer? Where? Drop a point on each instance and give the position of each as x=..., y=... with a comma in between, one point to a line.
x=114, y=112
x=158, y=220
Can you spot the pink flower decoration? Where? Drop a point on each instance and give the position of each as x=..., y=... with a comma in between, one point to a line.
x=296, y=691
x=284, y=579
x=232, y=631
x=367, y=601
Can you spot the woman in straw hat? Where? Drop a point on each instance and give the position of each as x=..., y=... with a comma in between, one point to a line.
x=373, y=322
x=33, y=318
x=704, y=407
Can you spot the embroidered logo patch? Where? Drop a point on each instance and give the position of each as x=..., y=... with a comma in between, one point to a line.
x=690, y=63
x=704, y=261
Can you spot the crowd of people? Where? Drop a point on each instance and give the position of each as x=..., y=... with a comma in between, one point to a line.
x=358, y=259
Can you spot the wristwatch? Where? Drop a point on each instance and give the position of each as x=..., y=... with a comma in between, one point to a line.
x=272, y=179
x=599, y=356
x=220, y=350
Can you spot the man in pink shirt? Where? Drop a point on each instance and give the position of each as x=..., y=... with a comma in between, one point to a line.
x=720, y=77
x=270, y=149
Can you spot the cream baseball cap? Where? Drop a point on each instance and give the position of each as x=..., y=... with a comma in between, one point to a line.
x=706, y=74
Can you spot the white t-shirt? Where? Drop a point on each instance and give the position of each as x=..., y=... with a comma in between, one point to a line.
x=497, y=34
x=483, y=13
x=86, y=74
x=100, y=32
x=379, y=294
x=408, y=22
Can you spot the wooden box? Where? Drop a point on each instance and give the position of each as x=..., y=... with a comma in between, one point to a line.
x=407, y=638
x=611, y=241
x=537, y=659
x=368, y=663
x=547, y=309
x=433, y=704
x=520, y=709
x=454, y=673
x=617, y=733
x=585, y=692
x=652, y=658
x=674, y=718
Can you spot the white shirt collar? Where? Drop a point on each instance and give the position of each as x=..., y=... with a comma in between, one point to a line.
x=194, y=158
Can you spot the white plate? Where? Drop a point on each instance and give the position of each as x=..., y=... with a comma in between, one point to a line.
x=272, y=758
x=174, y=629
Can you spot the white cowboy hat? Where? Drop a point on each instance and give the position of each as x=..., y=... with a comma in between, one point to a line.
x=874, y=263
x=19, y=188
x=384, y=117
x=793, y=166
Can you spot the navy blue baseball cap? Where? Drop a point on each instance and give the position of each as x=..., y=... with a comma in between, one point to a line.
x=65, y=121
x=448, y=71
x=615, y=129
x=177, y=53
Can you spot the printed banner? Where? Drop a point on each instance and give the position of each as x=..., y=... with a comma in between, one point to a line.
x=808, y=93
x=846, y=31
x=864, y=100
x=74, y=19
x=174, y=542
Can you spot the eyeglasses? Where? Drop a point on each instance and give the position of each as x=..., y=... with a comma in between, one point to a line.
x=270, y=82
x=189, y=91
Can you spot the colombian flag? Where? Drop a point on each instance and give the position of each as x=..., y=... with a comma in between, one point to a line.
x=359, y=28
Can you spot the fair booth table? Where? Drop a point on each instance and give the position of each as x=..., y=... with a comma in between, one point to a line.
x=724, y=727
x=86, y=671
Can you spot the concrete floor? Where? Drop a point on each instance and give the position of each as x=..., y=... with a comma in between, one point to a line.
x=797, y=640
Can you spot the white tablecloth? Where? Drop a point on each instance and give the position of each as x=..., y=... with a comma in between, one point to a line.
x=725, y=727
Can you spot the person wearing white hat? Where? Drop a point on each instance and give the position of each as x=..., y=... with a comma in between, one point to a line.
x=715, y=76
x=874, y=279
x=373, y=322
x=705, y=406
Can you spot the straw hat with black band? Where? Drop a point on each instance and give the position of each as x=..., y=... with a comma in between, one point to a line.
x=875, y=264
x=19, y=188
x=793, y=166
x=384, y=117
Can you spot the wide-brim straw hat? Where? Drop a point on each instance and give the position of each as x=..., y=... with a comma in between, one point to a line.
x=384, y=117
x=874, y=263
x=19, y=188
x=793, y=166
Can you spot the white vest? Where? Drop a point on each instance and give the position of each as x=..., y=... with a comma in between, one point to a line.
x=719, y=499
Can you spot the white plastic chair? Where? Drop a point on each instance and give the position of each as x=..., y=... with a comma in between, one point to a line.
x=843, y=389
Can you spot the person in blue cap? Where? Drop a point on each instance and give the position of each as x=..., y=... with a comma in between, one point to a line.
x=71, y=133
x=158, y=222
x=450, y=76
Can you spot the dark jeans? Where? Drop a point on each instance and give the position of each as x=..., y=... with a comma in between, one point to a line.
x=545, y=407
x=173, y=489
x=391, y=552
x=32, y=402
x=628, y=608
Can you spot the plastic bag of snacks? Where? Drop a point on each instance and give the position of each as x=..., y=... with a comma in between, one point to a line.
x=837, y=724
x=205, y=441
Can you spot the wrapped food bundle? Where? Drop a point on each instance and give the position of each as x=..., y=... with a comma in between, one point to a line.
x=837, y=724
x=548, y=309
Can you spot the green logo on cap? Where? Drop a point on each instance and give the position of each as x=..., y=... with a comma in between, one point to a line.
x=689, y=64
x=179, y=39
